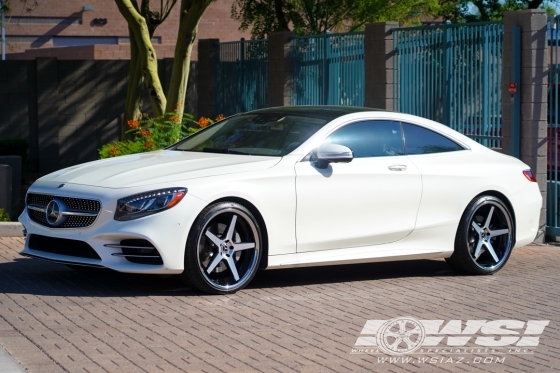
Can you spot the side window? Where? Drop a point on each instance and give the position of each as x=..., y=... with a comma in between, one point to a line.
x=419, y=140
x=374, y=138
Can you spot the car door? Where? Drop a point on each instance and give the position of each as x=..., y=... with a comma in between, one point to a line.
x=372, y=200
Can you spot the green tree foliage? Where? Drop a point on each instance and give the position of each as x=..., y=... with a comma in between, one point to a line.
x=488, y=10
x=27, y=6
x=318, y=16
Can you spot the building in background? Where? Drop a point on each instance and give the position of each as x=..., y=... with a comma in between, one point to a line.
x=94, y=29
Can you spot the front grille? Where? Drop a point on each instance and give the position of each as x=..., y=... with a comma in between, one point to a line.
x=75, y=204
x=62, y=246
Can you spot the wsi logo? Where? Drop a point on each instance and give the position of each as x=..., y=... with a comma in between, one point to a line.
x=406, y=335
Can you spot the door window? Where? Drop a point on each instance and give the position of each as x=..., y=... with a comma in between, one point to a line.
x=419, y=140
x=374, y=138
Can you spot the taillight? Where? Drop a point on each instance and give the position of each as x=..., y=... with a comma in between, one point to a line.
x=529, y=175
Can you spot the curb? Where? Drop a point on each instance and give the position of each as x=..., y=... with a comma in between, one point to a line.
x=7, y=364
x=11, y=229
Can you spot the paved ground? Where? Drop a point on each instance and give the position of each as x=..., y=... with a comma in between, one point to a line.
x=55, y=319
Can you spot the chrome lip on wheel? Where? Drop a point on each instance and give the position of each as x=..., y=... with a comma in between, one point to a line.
x=228, y=250
x=490, y=236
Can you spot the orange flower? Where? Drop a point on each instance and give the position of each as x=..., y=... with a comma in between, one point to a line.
x=176, y=119
x=219, y=117
x=203, y=122
x=145, y=132
x=114, y=151
x=149, y=144
x=133, y=123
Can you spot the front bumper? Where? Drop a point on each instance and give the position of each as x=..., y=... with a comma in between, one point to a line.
x=167, y=231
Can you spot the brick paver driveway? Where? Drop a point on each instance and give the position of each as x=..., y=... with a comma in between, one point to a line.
x=55, y=319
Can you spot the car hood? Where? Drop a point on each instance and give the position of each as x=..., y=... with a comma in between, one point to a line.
x=157, y=167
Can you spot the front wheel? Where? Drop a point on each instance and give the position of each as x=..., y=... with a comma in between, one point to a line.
x=223, y=249
x=485, y=237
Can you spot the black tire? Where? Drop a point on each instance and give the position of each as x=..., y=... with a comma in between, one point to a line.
x=477, y=248
x=212, y=248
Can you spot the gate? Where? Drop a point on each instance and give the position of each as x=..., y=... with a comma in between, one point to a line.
x=328, y=69
x=451, y=73
x=241, y=76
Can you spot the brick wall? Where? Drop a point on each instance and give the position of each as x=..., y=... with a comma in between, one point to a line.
x=215, y=23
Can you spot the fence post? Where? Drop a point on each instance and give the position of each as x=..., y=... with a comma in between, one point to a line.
x=279, y=68
x=533, y=93
x=242, y=73
x=206, y=77
x=378, y=63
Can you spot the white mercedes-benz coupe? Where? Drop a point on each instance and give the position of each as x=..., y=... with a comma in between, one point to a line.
x=288, y=187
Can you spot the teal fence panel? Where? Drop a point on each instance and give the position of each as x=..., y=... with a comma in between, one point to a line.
x=241, y=76
x=451, y=73
x=553, y=134
x=328, y=69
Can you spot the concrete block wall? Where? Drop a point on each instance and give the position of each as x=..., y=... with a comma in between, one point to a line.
x=67, y=109
x=378, y=61
x=279, y=69
x=90, y=52
x=206, y=77
x=14, y=91
x=91, y=99
x=533, y=94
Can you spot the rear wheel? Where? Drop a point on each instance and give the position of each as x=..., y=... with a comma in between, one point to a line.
x=485, y=237
x=223, y=249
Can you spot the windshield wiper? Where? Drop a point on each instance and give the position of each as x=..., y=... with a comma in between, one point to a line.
x=223, y=150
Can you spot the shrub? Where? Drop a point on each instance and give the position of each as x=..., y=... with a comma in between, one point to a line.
x=4, y=216
x=155, y=133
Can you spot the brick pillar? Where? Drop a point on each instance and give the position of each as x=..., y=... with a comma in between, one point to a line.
x=378, y=62
x=279, y=69
x=533, y=91
x=206, y=77
x=47, y=114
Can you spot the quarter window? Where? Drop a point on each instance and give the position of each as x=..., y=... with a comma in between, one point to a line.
x=419, y=140
x=374, y=138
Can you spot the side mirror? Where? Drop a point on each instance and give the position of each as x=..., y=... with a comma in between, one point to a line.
x=334, y=153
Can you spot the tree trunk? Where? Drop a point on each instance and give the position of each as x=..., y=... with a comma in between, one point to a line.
x=146, y=53
x=134, y=103
x=191, y=12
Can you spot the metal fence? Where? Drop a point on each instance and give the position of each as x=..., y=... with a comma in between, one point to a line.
x=241, y=76
x=553, y=161
x=451, y=73
x=328, y=69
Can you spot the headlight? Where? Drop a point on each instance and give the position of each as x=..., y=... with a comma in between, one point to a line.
x=148, y=203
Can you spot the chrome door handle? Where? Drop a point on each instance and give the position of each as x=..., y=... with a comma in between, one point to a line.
x=397, y=167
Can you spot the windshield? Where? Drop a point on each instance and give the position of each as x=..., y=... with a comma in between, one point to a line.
x=269, y=134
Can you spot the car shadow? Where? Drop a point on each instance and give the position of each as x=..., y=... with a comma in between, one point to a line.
x=351, y=273
x=37, y=277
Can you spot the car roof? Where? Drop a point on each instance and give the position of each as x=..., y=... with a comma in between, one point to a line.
x=324, y=111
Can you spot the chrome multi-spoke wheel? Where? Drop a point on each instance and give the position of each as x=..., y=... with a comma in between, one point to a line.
x=485, y=237
x=223, y=249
